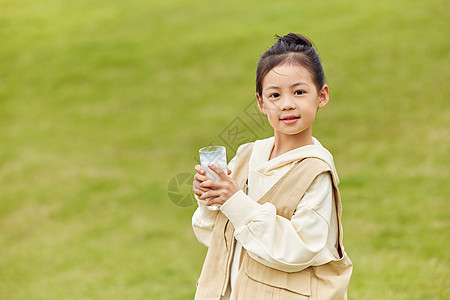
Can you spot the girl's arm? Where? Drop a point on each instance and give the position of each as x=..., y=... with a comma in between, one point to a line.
x=203, y=222
x=204, y=219
x=287, y=245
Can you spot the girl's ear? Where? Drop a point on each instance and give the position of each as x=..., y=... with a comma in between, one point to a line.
x=324, y=96
x=261, y=105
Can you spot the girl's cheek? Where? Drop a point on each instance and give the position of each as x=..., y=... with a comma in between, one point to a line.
x=271, y=108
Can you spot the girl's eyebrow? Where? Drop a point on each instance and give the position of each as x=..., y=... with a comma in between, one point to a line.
x=271, y=87
x=293, y=85
x=299, y=83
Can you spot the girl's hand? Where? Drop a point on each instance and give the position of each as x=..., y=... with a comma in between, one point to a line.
x=219, y=191
x=198, y=179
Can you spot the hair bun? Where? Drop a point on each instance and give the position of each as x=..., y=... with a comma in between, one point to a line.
x=294, y=39
x=293, y=49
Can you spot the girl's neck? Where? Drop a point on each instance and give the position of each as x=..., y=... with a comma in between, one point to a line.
x=285, y=143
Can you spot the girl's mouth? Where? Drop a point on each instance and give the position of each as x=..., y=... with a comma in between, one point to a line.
x=290, y=119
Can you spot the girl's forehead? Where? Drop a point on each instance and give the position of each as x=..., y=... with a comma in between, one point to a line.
x=286, y=73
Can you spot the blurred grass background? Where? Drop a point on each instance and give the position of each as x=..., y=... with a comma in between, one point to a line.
x=102, y=103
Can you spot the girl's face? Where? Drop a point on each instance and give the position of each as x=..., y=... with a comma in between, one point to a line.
x=290, y=100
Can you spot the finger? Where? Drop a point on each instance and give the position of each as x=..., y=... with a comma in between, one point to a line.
x=216, y=200
x=210, y=194
x=198, y=186
x=201, y=178
x=210, y=184
x=197, y=192
x=218, y=171
x=201, y=173
x=199, y=169
x=211, y=202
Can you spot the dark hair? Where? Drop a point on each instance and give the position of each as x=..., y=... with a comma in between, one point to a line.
x=295, y=49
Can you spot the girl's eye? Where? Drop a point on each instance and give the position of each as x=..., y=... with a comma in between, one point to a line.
x=274, y=95
x=299, y=92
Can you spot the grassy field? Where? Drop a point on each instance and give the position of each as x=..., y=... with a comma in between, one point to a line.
x=103, y=103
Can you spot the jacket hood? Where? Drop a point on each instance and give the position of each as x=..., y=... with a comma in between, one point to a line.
x=260, y=163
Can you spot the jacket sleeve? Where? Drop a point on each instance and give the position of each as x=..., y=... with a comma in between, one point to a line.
x=204, y=219
x=287, y=245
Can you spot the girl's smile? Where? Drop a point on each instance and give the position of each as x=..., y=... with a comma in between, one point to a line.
x=289, y=119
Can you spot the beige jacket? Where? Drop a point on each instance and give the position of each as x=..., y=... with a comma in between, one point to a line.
x=285, y=201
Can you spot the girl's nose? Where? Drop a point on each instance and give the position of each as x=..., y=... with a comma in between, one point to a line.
x=287, y=103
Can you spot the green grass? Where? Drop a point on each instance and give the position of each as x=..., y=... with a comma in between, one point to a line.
x=102, y=103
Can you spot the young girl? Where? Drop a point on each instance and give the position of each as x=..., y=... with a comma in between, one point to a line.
x=278, y=233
